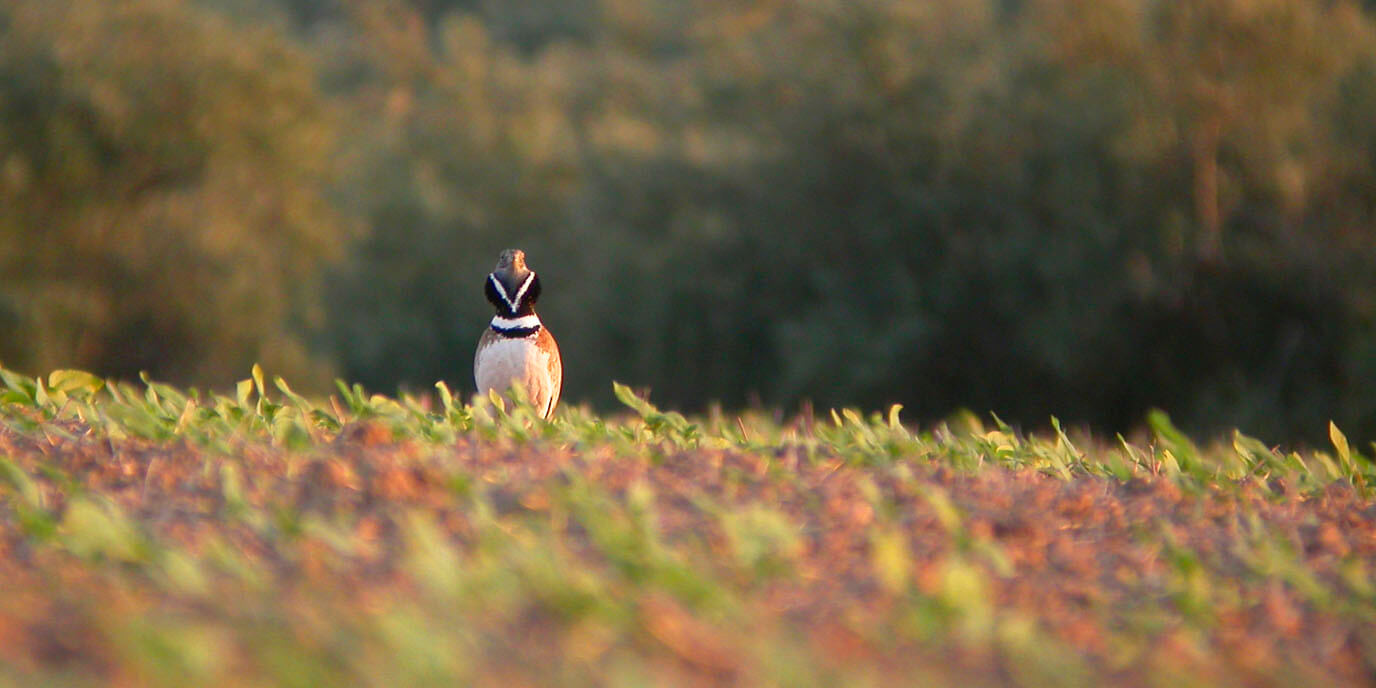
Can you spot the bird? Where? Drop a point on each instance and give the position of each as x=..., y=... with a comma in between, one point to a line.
x=516, y=348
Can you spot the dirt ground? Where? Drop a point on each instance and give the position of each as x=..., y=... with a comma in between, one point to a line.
x=912, y=569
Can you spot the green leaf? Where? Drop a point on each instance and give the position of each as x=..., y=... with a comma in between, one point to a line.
x=257, y=373
x=1340, y=444
x=16, y=478
x=429, y=555
x=497, y=401
x=628, y=397
x=231, y=486
x=242, y=390
x=946, y=511
x=183, y=573
x=40, y=395
x=100, y=529
x=20, y=384
x=1173, y=441
x=301, y=402
x=891, y=558
x=446, y=398
x=324, y=419
x=70, y=381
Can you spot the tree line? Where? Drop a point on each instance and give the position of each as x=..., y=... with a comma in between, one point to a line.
x=1035, y=207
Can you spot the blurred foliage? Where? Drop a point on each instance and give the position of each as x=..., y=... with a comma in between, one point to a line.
x=162, y=536
x=162, y=175
x=1032, y=206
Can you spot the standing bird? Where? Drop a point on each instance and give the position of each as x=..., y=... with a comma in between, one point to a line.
x=516, y=349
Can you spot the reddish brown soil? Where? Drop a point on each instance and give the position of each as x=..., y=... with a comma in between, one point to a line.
x=1137, y=583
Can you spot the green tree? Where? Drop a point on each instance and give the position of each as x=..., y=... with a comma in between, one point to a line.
x=1240, y=80
x=1085, y=209
x=460, y=148
x=162, y=174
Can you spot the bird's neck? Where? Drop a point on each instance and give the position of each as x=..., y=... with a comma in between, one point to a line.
x=518, y=327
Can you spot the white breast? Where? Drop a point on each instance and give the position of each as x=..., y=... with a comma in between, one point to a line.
x=505, y=362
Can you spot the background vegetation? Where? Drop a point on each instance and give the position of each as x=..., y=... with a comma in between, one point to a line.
x=1032, y=206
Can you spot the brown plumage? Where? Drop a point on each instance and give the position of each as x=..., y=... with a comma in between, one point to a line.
x=516, y=348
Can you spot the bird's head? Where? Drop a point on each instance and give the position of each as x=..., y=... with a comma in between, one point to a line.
x=511, y=287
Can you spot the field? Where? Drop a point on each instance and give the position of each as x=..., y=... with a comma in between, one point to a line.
x=157, y=536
